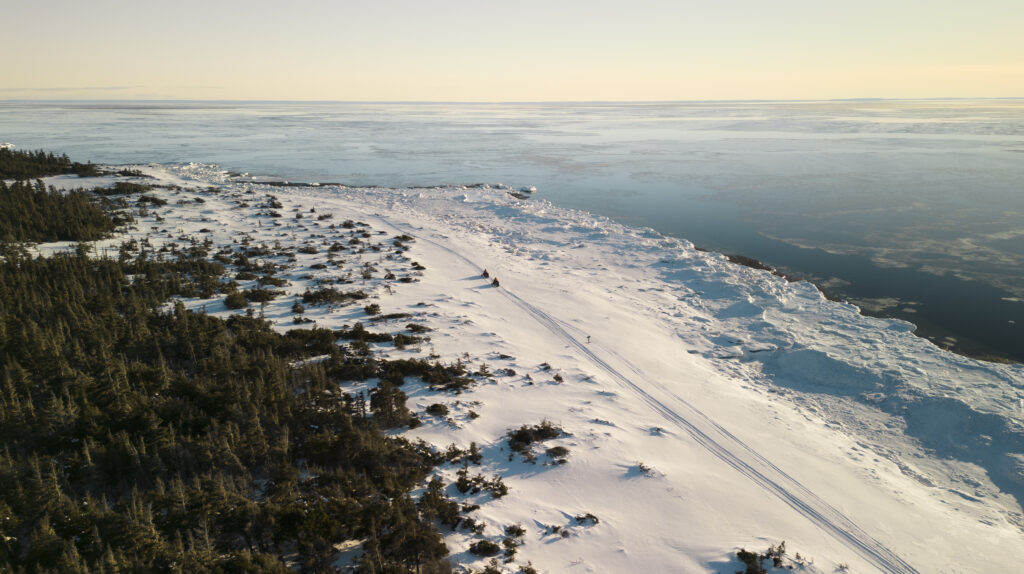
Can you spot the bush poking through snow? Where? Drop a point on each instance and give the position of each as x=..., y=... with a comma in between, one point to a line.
x=359, y=333
x=434, y=504
x=483, y=371
x=387, y=404
x=456, y=455
x=752, y=560
x=510, y=545
x=519, y=440
x=493, y=485
x=272, y=281
x=496, y=487
x=331, y=295
x=559, y=454
x=390, y=317
x=447, y=377
x=438, y=410
x=260, y=295
x=401, y=341
x=484, y=548
x=127, y=187
x=236, y=300
x=755, y=562
x=475, y=456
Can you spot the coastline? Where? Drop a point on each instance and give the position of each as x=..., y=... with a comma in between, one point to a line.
x=743, y=395
x=723, y=195
x=940, y=337
x=946, y=339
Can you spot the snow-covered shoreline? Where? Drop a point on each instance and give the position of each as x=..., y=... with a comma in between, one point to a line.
x=706, y=406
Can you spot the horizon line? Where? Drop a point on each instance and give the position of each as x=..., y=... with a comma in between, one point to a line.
x=500, y=102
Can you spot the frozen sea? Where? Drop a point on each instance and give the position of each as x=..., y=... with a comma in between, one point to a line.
x=910, y=209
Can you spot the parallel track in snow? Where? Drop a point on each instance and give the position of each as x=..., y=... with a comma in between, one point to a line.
x=718, y=441
x=738, y=455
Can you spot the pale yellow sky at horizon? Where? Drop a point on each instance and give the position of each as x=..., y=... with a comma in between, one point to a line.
x=460, y=50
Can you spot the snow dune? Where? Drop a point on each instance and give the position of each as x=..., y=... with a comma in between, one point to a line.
x=705, y=406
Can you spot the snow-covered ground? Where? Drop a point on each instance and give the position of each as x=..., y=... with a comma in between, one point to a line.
x=705, y=406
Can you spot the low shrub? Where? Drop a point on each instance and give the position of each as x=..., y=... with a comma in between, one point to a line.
x=484, y=548
x=127, y=187
x=558, y=452
x=273, y=281
x=358, y=333
x=438, y=410
x=331, y=295
x=401, y=341
x=152, y=200
x=755, y=562
x=519, y=440
x=260, y=295
x=236, y=300
x=494, y=485
x=586, y=518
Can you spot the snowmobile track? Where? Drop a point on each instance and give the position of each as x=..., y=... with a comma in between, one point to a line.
x=737, y=454
x=719, y=442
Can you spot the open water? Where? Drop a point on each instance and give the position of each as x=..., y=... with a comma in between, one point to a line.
x=910, y=209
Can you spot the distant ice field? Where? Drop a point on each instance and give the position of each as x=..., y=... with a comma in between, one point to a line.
x=910, y=209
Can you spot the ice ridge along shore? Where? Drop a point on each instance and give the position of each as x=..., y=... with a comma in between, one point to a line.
x=706, y=405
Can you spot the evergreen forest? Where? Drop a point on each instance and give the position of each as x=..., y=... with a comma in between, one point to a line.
x=23, y=165
x=138, y=436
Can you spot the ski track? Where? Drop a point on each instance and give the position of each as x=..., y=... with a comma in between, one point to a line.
x=715, y=439
x=767, y=475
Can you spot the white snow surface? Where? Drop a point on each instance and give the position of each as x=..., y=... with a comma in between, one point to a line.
x=706, y=406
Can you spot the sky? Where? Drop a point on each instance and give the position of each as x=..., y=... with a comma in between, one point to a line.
x=527, y=50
